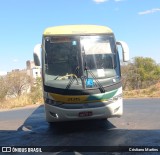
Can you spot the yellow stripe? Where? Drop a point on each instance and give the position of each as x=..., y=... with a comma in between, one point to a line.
x=69, y=99
x=82, y=98
x=76, y=29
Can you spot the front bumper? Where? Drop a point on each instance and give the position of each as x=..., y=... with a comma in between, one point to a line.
x=56, y=114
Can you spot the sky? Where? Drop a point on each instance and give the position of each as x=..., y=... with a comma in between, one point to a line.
x=22, y=22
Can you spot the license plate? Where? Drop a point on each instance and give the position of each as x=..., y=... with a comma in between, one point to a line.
x=85, y=114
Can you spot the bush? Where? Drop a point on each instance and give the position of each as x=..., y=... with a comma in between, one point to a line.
x=36, y=92
x=32, y=97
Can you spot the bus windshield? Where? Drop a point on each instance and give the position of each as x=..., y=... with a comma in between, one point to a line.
x=69, y=60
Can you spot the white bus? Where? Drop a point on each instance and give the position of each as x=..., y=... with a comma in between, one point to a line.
x=81, y=72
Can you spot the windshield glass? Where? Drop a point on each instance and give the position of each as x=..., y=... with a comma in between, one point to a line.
x=99, y=55
x=70, y=60
x=62, y=62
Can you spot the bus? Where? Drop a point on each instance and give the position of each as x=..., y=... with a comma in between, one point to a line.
x=81, y=72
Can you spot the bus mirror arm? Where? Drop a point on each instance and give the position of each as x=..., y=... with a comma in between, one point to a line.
x=37, y=54
x=125, y=50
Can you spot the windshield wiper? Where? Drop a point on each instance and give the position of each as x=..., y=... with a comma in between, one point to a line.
x=101, y=88
x=73, y=77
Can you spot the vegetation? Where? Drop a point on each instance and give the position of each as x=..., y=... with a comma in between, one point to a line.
x=140, y=73
x=4, y=88
x=36, y=92
x=152, y=91
x=140, y=78
x=18, y=89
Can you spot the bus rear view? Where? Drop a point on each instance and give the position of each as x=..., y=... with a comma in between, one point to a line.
x=81, y=72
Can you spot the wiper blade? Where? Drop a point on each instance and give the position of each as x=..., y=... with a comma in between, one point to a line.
x=73, y=77
x=101, y=88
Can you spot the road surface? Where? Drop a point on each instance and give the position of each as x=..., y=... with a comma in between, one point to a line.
x=139, y=126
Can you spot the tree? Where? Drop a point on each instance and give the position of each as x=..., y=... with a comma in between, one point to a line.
x=140, y=73
x=19, y=82
x=130, y=77
x=148, y=70
x=3, y=88
x=36, y=91
x=125, y=68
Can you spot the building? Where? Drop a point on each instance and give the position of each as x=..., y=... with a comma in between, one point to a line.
x=32, y=70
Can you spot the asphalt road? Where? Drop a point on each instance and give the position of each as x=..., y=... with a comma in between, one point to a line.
x=139, y=126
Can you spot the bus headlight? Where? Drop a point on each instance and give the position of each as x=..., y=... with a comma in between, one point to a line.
x=49, y=101
x=115, y=98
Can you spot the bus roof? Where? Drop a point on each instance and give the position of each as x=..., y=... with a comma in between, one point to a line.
x=77, y=29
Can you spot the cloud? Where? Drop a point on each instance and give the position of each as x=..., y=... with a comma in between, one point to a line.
x=100, y=1
x=149, y=11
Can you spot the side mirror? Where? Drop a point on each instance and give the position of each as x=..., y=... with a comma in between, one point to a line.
x=37, y=55
x=125, y=50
